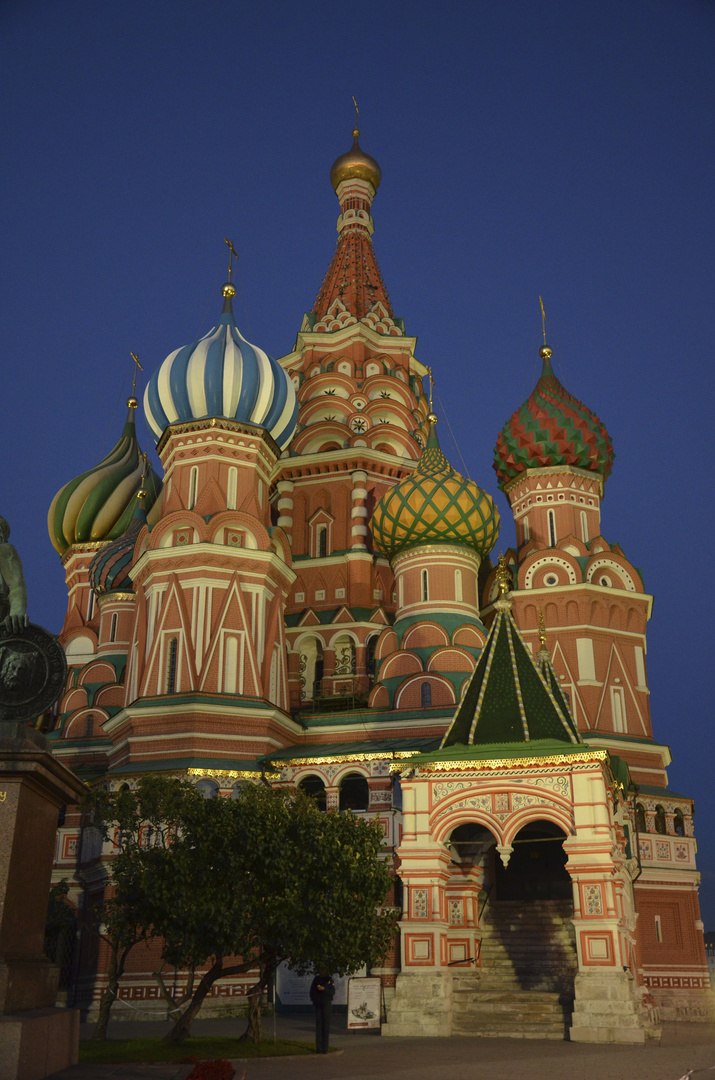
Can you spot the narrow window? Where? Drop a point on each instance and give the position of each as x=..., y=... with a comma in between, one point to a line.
x=457, y=584
x=658, y=929
x=401, y=591
x=640, y=665
x=171, y=659
x=113, y=627
x=640, y=818
x=584, y=527
x=193, y=486
x=660, y=825
x=525, y=527
x=260, y=493
x=90, y=605
x=322, y=541
x=619, y=711
x=586, y=660
x=232, y=487
x=89, y=725
x=425, y=585
x=551, y=516
x=678, y=823
x=426, y=695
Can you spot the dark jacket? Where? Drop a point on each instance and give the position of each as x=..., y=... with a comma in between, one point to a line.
x=322, y=990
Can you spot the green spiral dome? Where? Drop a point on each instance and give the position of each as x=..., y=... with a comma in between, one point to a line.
x=99, y=504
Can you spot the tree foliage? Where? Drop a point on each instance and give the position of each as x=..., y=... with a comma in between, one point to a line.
x=234, y=885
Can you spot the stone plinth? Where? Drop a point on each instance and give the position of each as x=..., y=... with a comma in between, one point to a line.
x=422, y=1005
x=33, y=785
x=606, y=1010
x=37, y=1043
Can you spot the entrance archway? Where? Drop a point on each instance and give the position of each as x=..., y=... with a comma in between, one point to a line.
x=537, y=867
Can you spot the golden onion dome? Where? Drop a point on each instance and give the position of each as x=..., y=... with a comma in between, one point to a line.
x=434, y=505
x=355, y=164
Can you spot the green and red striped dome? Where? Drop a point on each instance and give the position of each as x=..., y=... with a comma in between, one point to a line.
x=552, y=428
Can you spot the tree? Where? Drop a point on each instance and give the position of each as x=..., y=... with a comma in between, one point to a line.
x=134, y=823
x=237, y=885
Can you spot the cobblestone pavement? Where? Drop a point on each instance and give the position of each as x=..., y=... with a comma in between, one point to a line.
x=366, y=1055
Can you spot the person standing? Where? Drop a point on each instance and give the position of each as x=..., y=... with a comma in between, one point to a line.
x=322, y=992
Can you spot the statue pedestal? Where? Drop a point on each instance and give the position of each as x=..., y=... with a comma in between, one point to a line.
x=35, y=1038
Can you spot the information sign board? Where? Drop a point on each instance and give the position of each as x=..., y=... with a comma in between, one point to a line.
x=364, y=1004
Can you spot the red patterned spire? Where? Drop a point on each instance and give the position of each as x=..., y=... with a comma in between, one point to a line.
x=353, y=278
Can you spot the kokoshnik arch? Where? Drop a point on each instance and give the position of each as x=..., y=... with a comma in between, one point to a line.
x=308, y=596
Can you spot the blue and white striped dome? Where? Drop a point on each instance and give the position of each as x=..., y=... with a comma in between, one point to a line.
x=222, y=375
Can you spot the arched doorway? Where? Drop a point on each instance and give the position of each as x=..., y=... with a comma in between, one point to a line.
x=537, y=867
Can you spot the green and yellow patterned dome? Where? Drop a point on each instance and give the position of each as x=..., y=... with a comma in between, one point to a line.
x=434, y=505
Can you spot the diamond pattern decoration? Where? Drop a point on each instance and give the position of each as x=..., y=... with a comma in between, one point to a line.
x=435, y=504
x=552, y=428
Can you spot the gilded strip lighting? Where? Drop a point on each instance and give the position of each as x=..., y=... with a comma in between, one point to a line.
x=504, y=763
x=232, y=774
x=330, y=759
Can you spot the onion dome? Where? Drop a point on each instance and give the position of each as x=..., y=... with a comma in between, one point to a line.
x=552, y=428
x=99, y=504
x=222, y=375
x=109, y=569
x=434, y=505
x=355, y=164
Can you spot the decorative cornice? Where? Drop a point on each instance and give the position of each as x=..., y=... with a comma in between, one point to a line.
x=496, y=764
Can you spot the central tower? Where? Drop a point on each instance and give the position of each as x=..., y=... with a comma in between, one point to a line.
x=362, y=423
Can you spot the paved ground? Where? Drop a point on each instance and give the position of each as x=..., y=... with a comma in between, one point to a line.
x=367, y=1055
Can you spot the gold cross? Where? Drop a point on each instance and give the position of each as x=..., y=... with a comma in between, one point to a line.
x=357, y=115
x=138, y=366
x=233, y=254
x=431, y=384
x=543, y=319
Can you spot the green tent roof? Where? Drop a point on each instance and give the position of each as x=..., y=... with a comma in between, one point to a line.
x=511, y=698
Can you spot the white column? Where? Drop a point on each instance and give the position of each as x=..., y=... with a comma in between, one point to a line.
x=359, y=511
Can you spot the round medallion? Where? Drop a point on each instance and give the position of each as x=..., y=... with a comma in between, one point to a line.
x=33, y=670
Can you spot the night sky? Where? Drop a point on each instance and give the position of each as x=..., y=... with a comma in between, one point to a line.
x=528, y=147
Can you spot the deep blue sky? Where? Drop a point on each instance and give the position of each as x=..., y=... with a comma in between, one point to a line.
x=527, y=146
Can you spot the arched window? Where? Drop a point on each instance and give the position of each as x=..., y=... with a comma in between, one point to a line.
x=322, y=541
x=660, y=826
x=425, y=585
x=315, y=788
x=458, y=585
x=345, y=659
x=239, y=787
x=193, y=486
x=232, y=488
x=401, y=592
x=551, y=517
x=208, y=788
x=171, y=663
x=396, y=793
x=640, y=818
x=354, y=792
x=89, y=725
x=260, y=492
x=426, y=695
x=618, y=703
x=679, y=823
x=370, y=647
x=113, y=627
x=584, y=527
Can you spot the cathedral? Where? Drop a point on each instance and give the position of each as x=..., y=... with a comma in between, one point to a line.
x=311, y=595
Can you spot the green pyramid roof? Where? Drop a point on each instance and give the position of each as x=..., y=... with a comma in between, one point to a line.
x=511, y=698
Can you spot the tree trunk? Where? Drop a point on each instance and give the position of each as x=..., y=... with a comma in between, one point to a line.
x=253, y=1032
x=182, y=1027
x=108, y=997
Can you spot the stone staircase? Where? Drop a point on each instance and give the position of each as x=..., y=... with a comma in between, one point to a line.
x=524, y=987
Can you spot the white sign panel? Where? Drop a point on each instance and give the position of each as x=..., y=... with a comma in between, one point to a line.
x=364, y=1004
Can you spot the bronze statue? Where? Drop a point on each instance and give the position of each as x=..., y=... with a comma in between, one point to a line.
x=13, y=595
